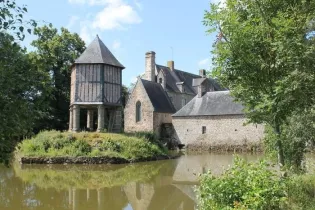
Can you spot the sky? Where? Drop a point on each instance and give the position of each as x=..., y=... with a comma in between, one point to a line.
x=173, y=29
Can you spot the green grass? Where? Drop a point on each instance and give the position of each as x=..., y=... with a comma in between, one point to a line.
x=65, y=144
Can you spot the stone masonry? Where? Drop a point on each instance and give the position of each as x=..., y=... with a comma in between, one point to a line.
x=219, y=131
x=146, y=122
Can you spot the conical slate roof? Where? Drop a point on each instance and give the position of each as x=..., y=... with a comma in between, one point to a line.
x=97, y=52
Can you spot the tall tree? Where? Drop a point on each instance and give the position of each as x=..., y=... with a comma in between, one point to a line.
x=20, y=86
x=265, y=54
x=55, y=53
x=17, y=90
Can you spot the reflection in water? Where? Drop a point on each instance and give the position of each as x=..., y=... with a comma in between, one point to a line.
x=154, y=185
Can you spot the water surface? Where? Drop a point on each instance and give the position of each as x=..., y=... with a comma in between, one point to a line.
x=167, y=185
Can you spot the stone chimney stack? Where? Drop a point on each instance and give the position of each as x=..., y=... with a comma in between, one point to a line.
x=150, y=66
x=202, y=73
x=170, y=64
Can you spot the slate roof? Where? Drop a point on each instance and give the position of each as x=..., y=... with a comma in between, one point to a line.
x=175, y=76
x=98, y=53
x=158, y=97
x=211, y=104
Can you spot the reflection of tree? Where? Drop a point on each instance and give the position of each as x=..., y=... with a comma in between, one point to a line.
x=85, y=177
x=78, y=187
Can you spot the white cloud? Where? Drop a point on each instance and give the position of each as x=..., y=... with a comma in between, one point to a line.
x=138, y=4
x=115, y=16
x=85, y=33
x=72, y=21
x=116, y=45
x=204, y=62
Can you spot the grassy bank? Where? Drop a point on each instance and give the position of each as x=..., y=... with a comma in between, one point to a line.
x=65, y=144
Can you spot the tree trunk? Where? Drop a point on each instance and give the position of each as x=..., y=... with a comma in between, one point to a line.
x=279, y=145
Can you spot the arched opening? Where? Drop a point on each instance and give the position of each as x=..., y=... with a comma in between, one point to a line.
x=160, y=80
x=138, y=111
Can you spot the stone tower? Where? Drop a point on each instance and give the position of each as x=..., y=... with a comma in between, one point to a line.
x=96, y=85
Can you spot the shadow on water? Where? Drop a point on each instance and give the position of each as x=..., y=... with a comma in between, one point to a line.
x=166, y=184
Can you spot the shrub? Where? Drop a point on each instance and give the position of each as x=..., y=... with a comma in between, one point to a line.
x=54, y=143
x=301, y=192
x=243, y=186
x=110, y=145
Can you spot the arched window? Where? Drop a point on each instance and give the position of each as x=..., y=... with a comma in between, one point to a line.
x=138, y=111
x=160, y=80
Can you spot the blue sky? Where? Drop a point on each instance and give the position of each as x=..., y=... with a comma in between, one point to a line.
x=129, y=28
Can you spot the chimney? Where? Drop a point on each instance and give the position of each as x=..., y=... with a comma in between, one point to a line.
x=202, y=73
x=170, y=64
x=150, y=66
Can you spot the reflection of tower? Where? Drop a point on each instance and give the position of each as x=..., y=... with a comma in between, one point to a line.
x=100, y=198
x=75, y=199
x=70, y=196
x=139, y=195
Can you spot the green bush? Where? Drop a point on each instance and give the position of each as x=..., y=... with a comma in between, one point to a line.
x=54, y=143
x=243, y=186
x=297, y=137
x=301, y=192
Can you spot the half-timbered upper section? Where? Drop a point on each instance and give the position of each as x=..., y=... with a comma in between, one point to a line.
x=96, y=76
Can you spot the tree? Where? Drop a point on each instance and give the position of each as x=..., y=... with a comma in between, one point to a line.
x=20, y=86
x=12, y=19
x=17, y=92
x=265, y=54
x=55, y=53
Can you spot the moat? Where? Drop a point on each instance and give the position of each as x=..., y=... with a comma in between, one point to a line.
x=167, y=184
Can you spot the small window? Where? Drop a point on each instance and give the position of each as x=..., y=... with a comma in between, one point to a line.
x=184, y=102
x=204, y=129
x=138, y=111
x=160, y=80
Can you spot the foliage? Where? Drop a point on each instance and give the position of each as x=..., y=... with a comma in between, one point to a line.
x=12, y=19
x=20, y=86
x=55, y=143
x=265, y=55
x=86, y=177
x=243, y=186
x=55, y=52
x=298, y=136
x=301, y=192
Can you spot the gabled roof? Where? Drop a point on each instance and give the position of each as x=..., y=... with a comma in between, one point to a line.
x=158, y=97
x=198, y=81
x=175, y=76
x=98, y=53
x=211, y=104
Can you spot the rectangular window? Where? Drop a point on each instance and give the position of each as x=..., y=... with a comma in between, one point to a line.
x=204, y=129
x=184, y=102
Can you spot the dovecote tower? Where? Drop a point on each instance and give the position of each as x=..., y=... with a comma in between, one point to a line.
x=96, y=85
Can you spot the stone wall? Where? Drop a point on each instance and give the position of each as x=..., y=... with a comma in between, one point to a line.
x=177, y=99
x=220, y=131
x=159, y=119
x=146, y=122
